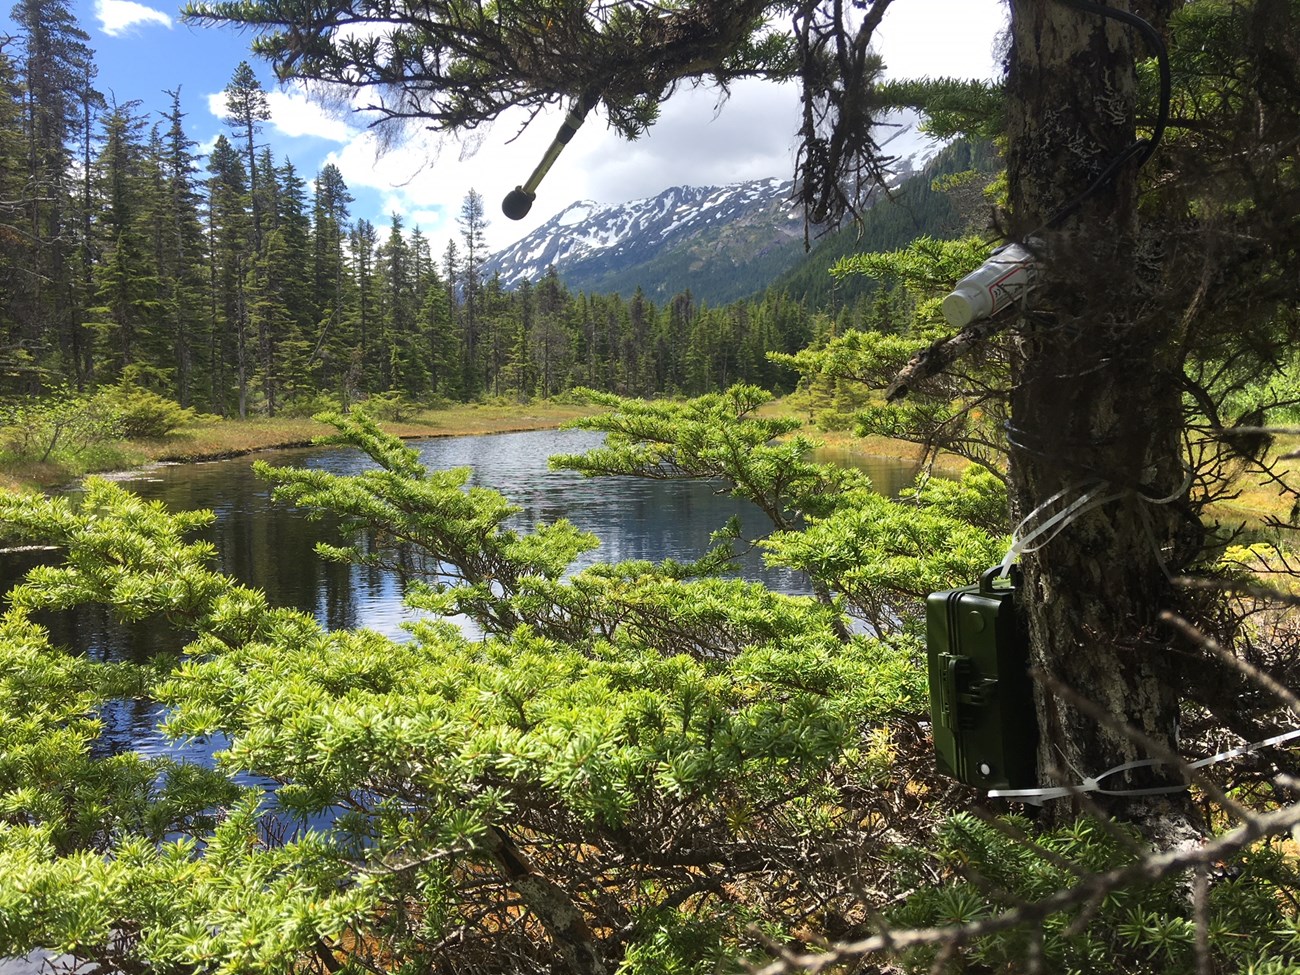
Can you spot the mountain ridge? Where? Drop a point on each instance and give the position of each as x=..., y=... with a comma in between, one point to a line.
x=722, y=243
x=697, y=230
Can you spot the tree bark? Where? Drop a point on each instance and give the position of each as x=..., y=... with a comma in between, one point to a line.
x=551, y=903
x=1095, y=404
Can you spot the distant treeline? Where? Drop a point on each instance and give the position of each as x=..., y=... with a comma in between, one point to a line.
x=231, y=284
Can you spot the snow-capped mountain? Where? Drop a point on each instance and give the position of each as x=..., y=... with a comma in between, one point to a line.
x=721, y=242
x=616, y=247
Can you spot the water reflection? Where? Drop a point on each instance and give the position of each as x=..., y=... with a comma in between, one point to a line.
x=272, y=547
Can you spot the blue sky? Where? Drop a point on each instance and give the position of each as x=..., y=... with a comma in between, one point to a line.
x=144, y=49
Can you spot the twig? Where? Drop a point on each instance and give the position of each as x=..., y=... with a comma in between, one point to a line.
x=1150, y=869
x=1249, y=670
x=941, y=354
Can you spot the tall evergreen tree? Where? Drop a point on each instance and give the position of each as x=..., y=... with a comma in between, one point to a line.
x=473, y=226
x=128, y=298
x=445, y=351
x=92, y=105
x=293, y=346
x=330, y=350
x=550, y=339
x=402, y=351
x=17, y=367
x=269, y=319
x=363, y=374
x=231, y=252
x=246, y=109
x=182, y=247
x=56, y=68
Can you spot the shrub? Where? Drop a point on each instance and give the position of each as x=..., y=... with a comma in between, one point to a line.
x=141, y=413
x=309, y=404
x=63, y=422
x=391, y=406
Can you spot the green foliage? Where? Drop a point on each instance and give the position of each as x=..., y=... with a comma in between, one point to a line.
x=979, y=498
x=925, y=265
x=962, y=413
x=951, y=106
x=309, y=404
x=885, y=557
x=63, y=423
x=1141, y=927
x=919, y=208
x=881, y=557
x=671, y=698
x=714, y=436
x=391, y=405
x=141, y=413
x=675, y=755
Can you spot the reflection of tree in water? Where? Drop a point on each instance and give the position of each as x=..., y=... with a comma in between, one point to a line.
x=272, y=547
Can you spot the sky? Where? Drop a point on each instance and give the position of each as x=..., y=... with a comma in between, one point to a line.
x=144, y=50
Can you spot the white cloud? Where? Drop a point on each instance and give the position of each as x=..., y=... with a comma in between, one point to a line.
x=204, y=149
x=941, y=38
x=750, y=136
x=217, y=104
x=692, y=143
x=117, y=17
x=295, y=114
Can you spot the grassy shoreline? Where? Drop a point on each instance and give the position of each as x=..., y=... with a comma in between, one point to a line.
x=223, y=439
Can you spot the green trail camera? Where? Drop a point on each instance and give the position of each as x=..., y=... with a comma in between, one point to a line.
x=981, y=697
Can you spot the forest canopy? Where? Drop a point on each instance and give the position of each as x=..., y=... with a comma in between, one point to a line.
x=659, y=767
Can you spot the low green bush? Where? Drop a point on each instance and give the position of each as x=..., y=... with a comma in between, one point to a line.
x=391, y=406
x=141, y=414
x=309, y=404
x=62, y=423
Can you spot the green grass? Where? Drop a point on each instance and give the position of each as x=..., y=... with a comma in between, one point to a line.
x=215, y=439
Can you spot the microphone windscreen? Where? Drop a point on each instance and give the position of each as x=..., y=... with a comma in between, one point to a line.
x=517, y=203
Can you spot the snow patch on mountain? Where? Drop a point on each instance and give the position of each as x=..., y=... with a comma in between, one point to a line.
x=586, y=230
x=587, y=240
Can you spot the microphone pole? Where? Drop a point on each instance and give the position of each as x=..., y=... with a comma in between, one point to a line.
x=520, y=200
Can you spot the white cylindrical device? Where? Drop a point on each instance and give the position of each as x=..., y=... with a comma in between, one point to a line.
x=1006, y=276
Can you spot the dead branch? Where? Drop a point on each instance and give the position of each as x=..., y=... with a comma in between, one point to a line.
x=1149, y=869
x=941, y=354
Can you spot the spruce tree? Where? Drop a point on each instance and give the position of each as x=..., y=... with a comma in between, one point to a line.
x=128, y=297
x=56, y=69
x=469, y=282
x=403, y=365
x=445, y=349
x=246, y=109
x=363, y=371
x=330, y=280
x=15, y=248
x=231, y=253
x=182, y=249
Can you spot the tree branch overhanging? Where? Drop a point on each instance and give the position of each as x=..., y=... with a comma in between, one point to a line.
x=456, y=67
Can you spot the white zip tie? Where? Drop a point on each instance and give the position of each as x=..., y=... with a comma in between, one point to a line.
x=1036, y=797
x=1089, y=498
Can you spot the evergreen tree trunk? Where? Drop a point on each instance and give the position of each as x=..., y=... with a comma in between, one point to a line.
x=1096, y=406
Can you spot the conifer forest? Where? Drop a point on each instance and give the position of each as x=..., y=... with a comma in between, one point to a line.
x=235, y=284
x=1035, y=714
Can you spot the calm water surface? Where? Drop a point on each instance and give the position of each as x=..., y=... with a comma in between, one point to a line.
x=271, y=546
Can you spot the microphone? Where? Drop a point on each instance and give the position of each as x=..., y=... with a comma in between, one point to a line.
x=517, y=203
x=520, y=200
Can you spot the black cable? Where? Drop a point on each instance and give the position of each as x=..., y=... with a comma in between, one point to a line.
x=1142, y=149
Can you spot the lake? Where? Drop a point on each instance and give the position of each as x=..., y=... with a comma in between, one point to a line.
x=271, y=546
